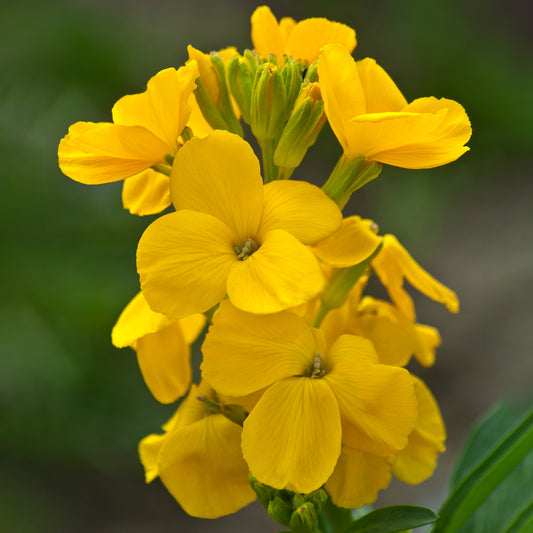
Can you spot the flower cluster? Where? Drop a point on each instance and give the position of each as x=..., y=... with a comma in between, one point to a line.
x=304, y=389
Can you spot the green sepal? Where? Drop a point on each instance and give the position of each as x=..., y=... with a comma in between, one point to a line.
x=311, y=74
x=264, y=492
x=292, y=79
x=208, y=108
x=240, y=82
x=224, y=105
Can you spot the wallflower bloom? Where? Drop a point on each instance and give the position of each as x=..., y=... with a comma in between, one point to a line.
x=371, y=118
x=145, y=131
x=301, y=40
x=199, y=459
x=315, y=397
x=232, y=235
x=162, y=346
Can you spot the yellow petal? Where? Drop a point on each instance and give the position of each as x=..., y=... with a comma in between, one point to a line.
x=352, y=243
x=164, y=360
x=219, y=174
x=286, y=26
x=411, y=138
x=394, y=264
x=341, y=89
x=207, y=72
x=381, y=93
x=192, y=326
x=183, y=260
x=162, y=108
x=146, y=193
x=197, y=122
x=430, y=340
x=310, y=35
x=300, y=208
x=292, y=438
x=282, y=273
x=201, y=465
x=357, y=478
x=377, y=402
x=244, y=353
x=266, y=35
x=136, y=321
x=151, y=445
x=101, y=152
x=418, y=459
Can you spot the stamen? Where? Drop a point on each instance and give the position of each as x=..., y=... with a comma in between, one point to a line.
x=317, y=371
x=250, y=246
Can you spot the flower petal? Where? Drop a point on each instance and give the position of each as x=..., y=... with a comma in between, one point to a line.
x=102, y=152
x=164, y=360
x=418, y=459
x=146, y=193
x=377, y=402
x=183, y=260
x=201, y=465
x=410, y=139
x=341, y=89
x=394, y=263
x=357, y=478
x=381, y=93
x=219, y=175
x=136, y=321
x=310, y=35
x=162, y=108
x=244, y=353
x=300, y=208
x=282, y=273
x=352, y=243
x=291, y=440
x=266, y=35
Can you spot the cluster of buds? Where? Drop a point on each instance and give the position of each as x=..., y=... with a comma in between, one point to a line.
x=304, y=396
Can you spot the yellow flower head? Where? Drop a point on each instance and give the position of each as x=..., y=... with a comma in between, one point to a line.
x=162, y=346
x=199, y=459
x=371, y=118
x=301, y=40
x=144, y=132
x=232, y=235
x=315, y=398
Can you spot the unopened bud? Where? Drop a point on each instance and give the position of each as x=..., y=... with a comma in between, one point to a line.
x=280, y=511
x=240, y=78
x=304, y=519
x=269, y=100
x=264, y=492
x=302, y=128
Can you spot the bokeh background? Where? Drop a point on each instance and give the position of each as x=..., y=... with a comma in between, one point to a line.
x=72, y=408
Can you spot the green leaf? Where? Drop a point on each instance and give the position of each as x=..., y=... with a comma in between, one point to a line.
x=486, y=463
x=391, y=519
x=523, y=522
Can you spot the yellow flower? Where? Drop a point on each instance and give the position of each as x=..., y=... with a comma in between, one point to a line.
x=199, y=459
x=371, y=118
x=359, y=475
x=162, y=346
x=313, y=400
x=232, y=235
x=393, y=264
x=301, y=40
x=144, y=133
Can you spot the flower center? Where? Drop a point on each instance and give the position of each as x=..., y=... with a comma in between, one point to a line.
x=244, y=252
x=317, y=370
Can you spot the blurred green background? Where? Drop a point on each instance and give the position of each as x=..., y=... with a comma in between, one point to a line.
x=72, y=408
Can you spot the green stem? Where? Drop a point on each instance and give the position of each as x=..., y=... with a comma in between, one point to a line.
x=285, y=173
x=270, y=171
x=320, y=315
x=162, y=169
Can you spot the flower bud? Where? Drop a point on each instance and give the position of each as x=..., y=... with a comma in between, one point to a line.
x=302, y=128
x=304, y=519
x=264, y=492
x=280, y=511
x=269, y=101
x=240, y=78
